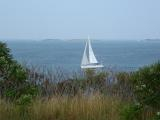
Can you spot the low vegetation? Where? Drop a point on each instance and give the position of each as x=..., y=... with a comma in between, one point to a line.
x=94, y=107
x=28, y=94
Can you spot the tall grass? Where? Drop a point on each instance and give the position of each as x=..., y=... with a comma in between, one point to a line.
x=95, y=107
x=8, y=111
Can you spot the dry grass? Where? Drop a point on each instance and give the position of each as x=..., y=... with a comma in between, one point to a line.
x=8, y=111
x=95, y=107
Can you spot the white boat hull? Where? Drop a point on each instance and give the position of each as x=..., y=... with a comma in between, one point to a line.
x=91, y=66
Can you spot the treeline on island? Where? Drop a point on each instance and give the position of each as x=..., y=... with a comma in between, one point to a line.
x=28, y=94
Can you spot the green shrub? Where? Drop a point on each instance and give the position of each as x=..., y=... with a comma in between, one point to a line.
x=24, y=100
x=146, y=83
x=157, y=116
x=89, y=73
x=13, y=77
x=123, y=78
x=131, y=112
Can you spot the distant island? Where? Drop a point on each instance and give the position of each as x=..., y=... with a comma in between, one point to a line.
x=154, y=40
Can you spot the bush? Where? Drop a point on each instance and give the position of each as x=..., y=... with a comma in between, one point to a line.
x=123, y=78
x=131, y=112
x=157, y=116
x=24, y=100
x=146, y=83
x=13, y=77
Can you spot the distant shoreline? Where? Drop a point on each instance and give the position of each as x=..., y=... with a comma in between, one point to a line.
x=152, y=40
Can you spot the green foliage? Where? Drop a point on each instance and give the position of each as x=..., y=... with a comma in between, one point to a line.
x=89, y=73
x=157, y=116
x=10, y=93
x=4, y=53
x=95, y=81
x=146, y=83
x=95, y=78
x=24, y=100
x=123, y=78
x=131, y=112
x=13, y=77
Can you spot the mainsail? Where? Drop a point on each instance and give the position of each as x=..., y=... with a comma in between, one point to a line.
x=89, y=60
x=85, y=59
x=92, y=58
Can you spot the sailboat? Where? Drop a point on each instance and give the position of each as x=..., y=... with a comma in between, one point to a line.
x=89, y=60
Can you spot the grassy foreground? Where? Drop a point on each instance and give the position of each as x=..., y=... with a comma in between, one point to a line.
x=95, y=107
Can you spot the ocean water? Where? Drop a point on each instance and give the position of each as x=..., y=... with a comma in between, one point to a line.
x=115, y=55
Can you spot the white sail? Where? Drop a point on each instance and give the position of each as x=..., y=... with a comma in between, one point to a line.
x=89, y=60
x=92, y=58
x=85, y=59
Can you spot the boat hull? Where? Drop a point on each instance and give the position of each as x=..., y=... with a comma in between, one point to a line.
x=91, y=66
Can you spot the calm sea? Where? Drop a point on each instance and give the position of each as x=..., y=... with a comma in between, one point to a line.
x=116, y=55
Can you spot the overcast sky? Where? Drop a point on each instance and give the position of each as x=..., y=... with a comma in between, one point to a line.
x=105, y=19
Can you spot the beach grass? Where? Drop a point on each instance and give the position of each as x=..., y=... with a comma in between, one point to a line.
x=95, y=107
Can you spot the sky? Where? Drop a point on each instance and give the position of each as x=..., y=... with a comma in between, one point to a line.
x=69, y=19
